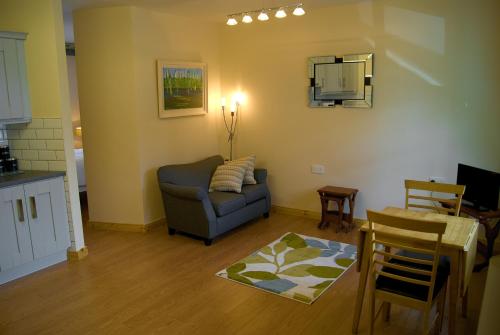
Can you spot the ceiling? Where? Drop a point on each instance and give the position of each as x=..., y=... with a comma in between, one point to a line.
x=206, y=10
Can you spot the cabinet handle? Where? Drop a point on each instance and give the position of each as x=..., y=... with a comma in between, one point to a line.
x=20, y=210
x=34, y=214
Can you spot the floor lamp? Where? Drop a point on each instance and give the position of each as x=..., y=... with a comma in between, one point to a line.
x=231, y=128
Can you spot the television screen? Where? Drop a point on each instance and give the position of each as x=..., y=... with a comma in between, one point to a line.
x=482, y=187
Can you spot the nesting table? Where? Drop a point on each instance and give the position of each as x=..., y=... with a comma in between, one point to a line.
x=338, y=217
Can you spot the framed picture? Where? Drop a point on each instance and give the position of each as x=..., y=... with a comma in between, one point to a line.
x=182, y=89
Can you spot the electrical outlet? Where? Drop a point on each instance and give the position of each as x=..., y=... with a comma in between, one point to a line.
x=317, y=169
x=436, y=179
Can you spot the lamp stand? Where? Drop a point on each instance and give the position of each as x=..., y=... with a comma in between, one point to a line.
x=231, y=129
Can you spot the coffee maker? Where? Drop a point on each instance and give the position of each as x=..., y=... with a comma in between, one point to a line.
x=8, y=164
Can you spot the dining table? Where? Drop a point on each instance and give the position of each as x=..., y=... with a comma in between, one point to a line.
x=459, y=243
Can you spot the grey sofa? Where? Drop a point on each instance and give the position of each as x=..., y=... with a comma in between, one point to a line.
x=190, y=208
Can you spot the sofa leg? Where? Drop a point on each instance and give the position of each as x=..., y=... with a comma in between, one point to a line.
x=208, y=241
x=171, y=231
x=266, y=215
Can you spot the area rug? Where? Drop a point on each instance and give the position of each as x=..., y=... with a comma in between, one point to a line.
x=294, y=266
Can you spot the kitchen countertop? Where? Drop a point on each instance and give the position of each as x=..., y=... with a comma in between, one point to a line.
x=28, y=177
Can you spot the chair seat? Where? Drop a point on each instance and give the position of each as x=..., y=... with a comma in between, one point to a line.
x=444, y=261
x=226, y=202
x=253, y=193
x=414, y=291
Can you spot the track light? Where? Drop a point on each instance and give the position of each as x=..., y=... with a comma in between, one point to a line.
x=231, y=21
x=280, y=13
x=247, y=18
x=263, y=16
x=299, y=11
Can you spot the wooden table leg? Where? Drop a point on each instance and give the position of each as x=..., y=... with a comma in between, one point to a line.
x=363, y=249
x=351, y=212
x=340, y=204
x=454, y=290
x=324, y=209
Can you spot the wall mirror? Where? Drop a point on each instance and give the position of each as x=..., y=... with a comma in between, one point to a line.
x=345, y=80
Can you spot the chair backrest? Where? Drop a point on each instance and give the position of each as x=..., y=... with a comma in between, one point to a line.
x=193, y=174
x=425, y=238
x=442, y=205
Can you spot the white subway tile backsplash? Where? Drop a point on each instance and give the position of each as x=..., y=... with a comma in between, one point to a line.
x=20, y=144
x=24, y=165
x=31, y=155
x=35, y=124
x=13, y=134
x=47, y=155
x=55, y=144
x=58, y=134
x=27, y=134
x=52, y=123
x=60, y=155
x=45, y=134
x=38, y=144
x=40, y=165
x=57, y=166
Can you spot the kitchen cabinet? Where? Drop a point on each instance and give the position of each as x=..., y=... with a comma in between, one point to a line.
x=34, y=231
x=15, y=104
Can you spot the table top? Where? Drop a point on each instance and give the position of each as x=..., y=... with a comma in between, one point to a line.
x=458, y=229
x=338, y=191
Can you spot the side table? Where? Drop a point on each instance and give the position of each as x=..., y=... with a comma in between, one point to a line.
x=338, y=217
x=485, y=218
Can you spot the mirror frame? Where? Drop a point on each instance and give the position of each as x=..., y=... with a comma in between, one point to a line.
x=351, y=103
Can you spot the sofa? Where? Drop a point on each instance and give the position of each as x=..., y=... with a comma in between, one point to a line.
x=191, y=209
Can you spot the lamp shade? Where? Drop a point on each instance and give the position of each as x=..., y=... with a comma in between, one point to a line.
x=298, y=11
x=263, y=16
x=231, y=21
x=247, y=18
x=280, y=13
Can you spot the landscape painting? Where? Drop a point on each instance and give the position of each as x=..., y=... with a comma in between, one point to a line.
x=181, y=89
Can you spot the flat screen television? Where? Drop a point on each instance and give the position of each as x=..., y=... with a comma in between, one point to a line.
x=482, y=187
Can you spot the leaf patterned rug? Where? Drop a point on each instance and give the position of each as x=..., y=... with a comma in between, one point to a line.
x=295, y=266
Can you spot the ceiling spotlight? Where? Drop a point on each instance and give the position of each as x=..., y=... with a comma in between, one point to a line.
x=231, y=21
x=263, y=16
x=280, y=13
x=247, y=18
x=298, y=11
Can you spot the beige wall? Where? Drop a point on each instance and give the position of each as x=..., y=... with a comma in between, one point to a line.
x=125, y=141
x=48, y=82
x=434, y=97
x=106, y=87
x=179, y=140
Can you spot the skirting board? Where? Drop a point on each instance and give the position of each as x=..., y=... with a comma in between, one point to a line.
x=128, y=227
x=77, y=255
x=306, y=213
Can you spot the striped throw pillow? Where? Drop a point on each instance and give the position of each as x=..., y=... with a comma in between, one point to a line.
x=229, y=177
x=249, y=178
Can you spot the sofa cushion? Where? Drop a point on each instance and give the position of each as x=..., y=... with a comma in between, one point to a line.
x=229, y=177
x=249, y=178
x=226, y=202
x=254, y=192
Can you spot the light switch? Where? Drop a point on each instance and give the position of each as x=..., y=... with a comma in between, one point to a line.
x=317, y=169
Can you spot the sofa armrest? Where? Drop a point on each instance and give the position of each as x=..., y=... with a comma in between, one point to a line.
x=260, y=175
x=185, y=192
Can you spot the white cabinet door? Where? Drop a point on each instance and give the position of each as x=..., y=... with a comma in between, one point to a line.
x=47, y=216
x=15, y=243
x=14, y=97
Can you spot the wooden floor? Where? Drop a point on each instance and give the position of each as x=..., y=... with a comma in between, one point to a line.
x=153, y=283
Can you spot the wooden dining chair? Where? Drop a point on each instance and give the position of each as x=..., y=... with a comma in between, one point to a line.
x=442, y=205
x=412, y=282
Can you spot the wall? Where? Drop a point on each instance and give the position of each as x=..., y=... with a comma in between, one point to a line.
x=73, y=95
x=434, y=97
x=179, y=140
x=125, y=141
x=48, y=86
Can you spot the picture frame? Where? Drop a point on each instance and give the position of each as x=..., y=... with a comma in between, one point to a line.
x=182, y=89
